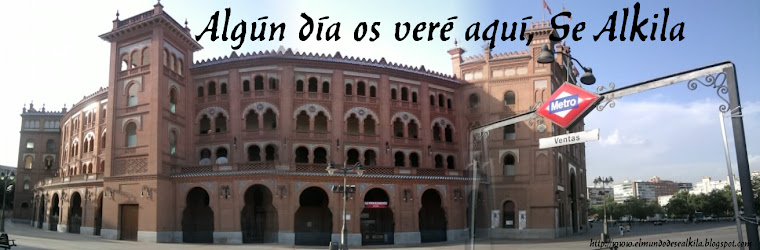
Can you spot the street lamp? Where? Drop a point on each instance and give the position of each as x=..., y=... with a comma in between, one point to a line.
x=331, y=170
x=604, y=181
x=547, y=56
x=5, y=184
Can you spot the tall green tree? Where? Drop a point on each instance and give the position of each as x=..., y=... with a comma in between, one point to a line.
x=679, y=206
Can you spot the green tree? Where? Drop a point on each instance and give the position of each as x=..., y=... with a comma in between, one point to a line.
x=679, y=206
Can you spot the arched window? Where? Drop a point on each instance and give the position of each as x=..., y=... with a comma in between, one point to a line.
x=205, y=157
x=474, y=101
x=302, y=155
x=299, y=86
x=352, y=157
x=509, y=98
x=404, y=94
x=349, y=90
x=448, y=133
x=49, y=162
x=254, y=153
x=398, y=128
x=172, y=60
x=320, y=155
x=28, y=160
x=414, y=97
x=26, y=187
x=325, y=87
x=30, y=144
x=124, y=62
x=145, y=56
x=220, y=123
x=246, y=86
x=450, y=162
x=172, y=143
x=102, y=167
x=360, y=89
x=273, y=82
x=223, y=88
x=313, y=87
x=438, y=161
x=221, y=155
x=413, y=128
x=271, y=153
x=135, y=59
x=212, y=88
x=440, y=100
x=352, y=124
x=509, y=132
x=448, y=103
x=103, y=140
x=205, y=125
x=320, y=122
x=302, y=121
x=432, y=100
x=166, y=58
x=372, y=91
x=398, y=159
x=509, y=165
x=369, y=125
x=393, y=94
x=132, y=98
x=414, y=160
x=179, y=66
x=131, y=135
x=436, y=132
x=92, y=144
x=252, y=121
x=200, y=91
x=370, y=158
x=270, y=119
x=173, y=100
x=258, y=82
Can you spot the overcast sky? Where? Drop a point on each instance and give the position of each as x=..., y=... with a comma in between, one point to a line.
x=52, y=55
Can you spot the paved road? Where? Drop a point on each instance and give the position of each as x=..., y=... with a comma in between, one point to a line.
x=32, y=238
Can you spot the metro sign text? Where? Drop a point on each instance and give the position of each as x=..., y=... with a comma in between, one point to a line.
x=568, y=104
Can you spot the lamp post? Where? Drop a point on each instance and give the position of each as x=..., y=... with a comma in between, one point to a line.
x=5, y=185
x=547, y=56
x=604, y=181
x=331, y=170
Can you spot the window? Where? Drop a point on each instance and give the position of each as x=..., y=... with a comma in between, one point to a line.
x=135, y=59
x=474, y=101
x=221, y=155
x=258, y=83
x=398, y=159
x=271, y=153
x=302, y=122
x=28, y=161
x=509, y=165
x=172, y=60
x=438, y=161
x=370, y=158
x=166, y=57
x=205, y=157
x=404, y=94
x=132, y=95
x=448, y=133
x=349, y=91
x=173, y=100
x=432, y=100
x=299, y=86
x=273, y=83
x=440, y=100
x=412, y=127
x=320, y=122
x=173, y=143
x=360, y=89
x=224, y=88
x=200, y=91
x=131, y=135
x=212, y=88
x=369, y=125
x=270, y=119
x=205, y=125
x=179, y=66
x=48, y=162
x=509, y=132
x=436, y=132
x=302, y=155
x=450, y=162
x=252, y=121
x=352, y=124
x=246, y=86
x=509, y=98
x=30, y=144
x=414, y=160
x=220, y=123
x=325, y=87
x=145, y=56
x=313, y=85
x=393, y=94
x=26, y=187
x=254, y=153
x=124, y=62
x=448, y=103
x=352, y=157
x=414, y=97
x=372, y=91
x=398, y=128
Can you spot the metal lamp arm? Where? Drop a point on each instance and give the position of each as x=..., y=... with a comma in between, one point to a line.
x=572, y=58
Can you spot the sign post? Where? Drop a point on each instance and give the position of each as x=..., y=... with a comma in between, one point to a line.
x=567, y=139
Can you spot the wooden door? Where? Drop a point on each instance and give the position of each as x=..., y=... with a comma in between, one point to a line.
x=128, y=219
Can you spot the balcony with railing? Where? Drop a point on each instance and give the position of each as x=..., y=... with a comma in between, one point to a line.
x=136, y=70
x=313, y=95
x=60, y=180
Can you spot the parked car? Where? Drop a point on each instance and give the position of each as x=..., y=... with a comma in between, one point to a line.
x=657, y=223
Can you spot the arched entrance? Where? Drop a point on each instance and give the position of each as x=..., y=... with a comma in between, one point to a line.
x=197, y=219
x=377, y=224
x=53, y=219
x=481, y=215
x=258, y=220
x=509, y=220
x=41, y=215
x=573, y=203
x=75, y=213
x=99, y=215
x=432, y=218
x=313, y=222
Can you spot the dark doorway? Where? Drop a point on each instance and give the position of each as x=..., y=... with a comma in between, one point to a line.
x=258, y=220
x=197, y=218
x=573, y=203
x=313, y=222
x=509, y=215
x=481, y=215
x=41, y=215
x=128, y=221
x=432, y=218
x=53, y=219
x=75, y=213
x=99, y=215
x=377, y=224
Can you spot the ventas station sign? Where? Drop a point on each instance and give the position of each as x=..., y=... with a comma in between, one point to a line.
x=568, y=104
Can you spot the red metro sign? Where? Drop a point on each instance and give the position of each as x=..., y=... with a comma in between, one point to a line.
x=568, y=104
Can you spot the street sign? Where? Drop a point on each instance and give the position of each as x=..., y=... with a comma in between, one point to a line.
x=375, y=204
x=567, y=139
x=568, y=104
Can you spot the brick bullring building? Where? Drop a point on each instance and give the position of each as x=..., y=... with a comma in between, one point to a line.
x=234, y=149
